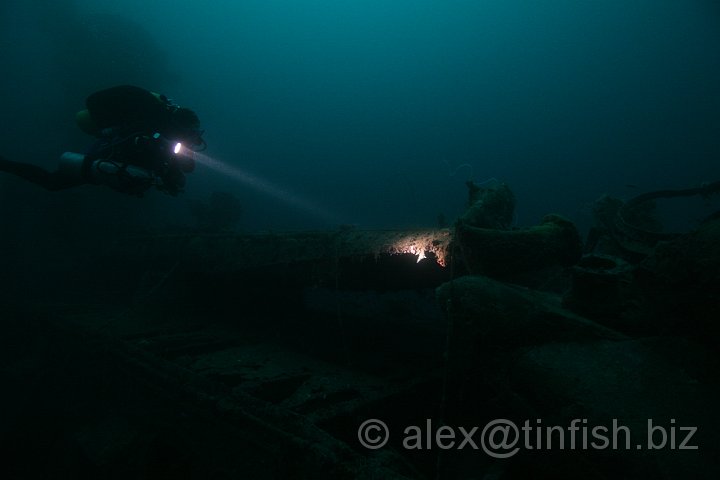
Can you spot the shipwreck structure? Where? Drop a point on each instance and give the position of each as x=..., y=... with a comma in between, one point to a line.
x=259, y=355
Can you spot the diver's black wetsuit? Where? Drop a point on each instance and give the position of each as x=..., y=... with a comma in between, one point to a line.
x=121, y=110
x=52, y=181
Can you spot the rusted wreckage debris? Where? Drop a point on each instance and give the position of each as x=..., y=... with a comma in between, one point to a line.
x=489, y=325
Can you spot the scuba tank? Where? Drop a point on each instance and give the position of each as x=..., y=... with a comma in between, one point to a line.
x=130, y=163
x=123, y=177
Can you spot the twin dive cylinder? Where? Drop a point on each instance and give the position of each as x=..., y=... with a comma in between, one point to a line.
x=150, y=158
x=121, y=177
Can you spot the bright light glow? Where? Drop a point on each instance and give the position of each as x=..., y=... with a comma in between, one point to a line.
x=178, y=147
x=266, y=187
x=423, y=243
x=417, y=250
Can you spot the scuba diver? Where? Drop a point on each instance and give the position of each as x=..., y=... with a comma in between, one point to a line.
x=143, y=140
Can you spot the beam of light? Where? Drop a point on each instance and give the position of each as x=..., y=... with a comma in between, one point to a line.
x=266, y=188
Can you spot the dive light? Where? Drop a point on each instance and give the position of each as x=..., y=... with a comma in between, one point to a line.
x=177, y=155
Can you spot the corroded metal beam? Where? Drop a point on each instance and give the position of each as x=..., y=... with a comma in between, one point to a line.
x=235, y=252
